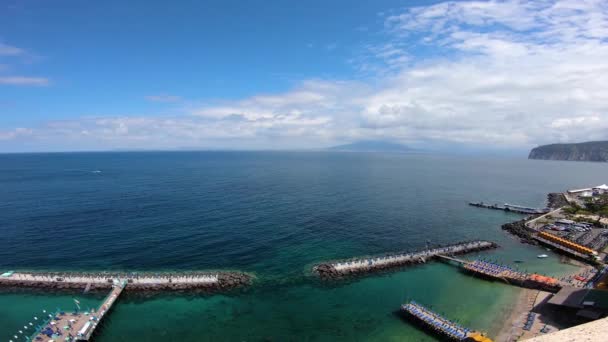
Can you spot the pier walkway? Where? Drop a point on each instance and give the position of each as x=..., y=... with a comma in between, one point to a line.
x=507, y=274
x=80, y=325
x=77, y=326
x=513, y=208
x=383, y=262
x=440, y=325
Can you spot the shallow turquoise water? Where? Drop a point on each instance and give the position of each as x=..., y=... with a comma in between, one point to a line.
x=274, y=214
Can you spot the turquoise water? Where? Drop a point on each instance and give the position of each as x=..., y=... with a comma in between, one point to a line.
x=273, y=214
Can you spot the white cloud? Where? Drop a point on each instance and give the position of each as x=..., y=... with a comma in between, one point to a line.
x=17, y=80
x=498, y=73
x=24, y=81
x=15, y=133
x=7, y=50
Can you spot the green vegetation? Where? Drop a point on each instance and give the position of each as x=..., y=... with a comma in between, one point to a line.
x=598, y=205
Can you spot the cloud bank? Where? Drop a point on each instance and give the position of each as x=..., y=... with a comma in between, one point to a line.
x=10, y=53
x=493, y=73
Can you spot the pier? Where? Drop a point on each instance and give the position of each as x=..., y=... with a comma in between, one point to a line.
x=513, y=208
x=77, y=326
x=511, y=276
x=338, y=269
x=80, y=325
x=441, y=326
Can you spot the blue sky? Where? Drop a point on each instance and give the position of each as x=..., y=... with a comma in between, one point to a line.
x=274, y=74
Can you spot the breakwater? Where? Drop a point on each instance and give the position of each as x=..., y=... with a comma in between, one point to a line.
x=338, y=269
x=134, y=281
x=556, y=200
x=519, y=229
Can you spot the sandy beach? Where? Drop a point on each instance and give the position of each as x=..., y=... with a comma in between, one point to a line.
x=529, y=300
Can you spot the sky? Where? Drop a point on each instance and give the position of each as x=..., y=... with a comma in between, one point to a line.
x=264, y=74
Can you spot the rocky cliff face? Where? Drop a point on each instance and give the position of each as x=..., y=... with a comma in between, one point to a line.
x=588, y=151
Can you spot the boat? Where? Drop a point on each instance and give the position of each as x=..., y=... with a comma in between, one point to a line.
x=518, y=261
x=542, y=256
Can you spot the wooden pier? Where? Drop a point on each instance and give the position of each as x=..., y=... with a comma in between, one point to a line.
x=365, y=265
x=441, y=326
x=80, y=325
x=509, y=275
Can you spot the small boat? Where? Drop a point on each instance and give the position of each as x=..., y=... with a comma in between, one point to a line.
x=542, y=256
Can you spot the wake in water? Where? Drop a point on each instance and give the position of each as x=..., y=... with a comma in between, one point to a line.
x=85, y=171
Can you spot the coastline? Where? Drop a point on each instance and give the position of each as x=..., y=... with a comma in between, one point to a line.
x=521, y=305
x=526, y=301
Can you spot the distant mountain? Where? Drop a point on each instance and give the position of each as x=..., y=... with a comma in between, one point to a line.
x=371, y=146
x=596, y=151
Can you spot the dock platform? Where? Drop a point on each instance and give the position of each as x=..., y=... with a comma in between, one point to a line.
x=338, y=269
x=77, y=326
x=511, y=276
x=441, y=326
x=80, y=325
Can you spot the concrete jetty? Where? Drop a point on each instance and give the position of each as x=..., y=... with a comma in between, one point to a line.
x=441, y=326
x=338, y=269
x=134, y=281
x=513, y=208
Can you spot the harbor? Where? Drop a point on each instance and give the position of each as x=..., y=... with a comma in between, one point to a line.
x=338, y=269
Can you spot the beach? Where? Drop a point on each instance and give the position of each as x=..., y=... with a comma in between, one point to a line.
x=529, y=300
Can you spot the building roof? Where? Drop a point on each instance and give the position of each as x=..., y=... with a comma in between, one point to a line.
x=577, y=298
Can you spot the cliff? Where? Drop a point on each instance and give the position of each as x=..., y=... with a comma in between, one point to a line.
x=596, y=151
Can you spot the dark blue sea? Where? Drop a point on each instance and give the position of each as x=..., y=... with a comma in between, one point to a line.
x=273, y=214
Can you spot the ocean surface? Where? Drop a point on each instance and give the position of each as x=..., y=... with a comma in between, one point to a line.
x=273, y=214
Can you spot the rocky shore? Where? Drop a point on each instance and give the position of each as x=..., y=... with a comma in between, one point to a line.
x=519, y=229
x=556, y=200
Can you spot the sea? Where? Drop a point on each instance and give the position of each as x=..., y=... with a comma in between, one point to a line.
x=273, y=214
